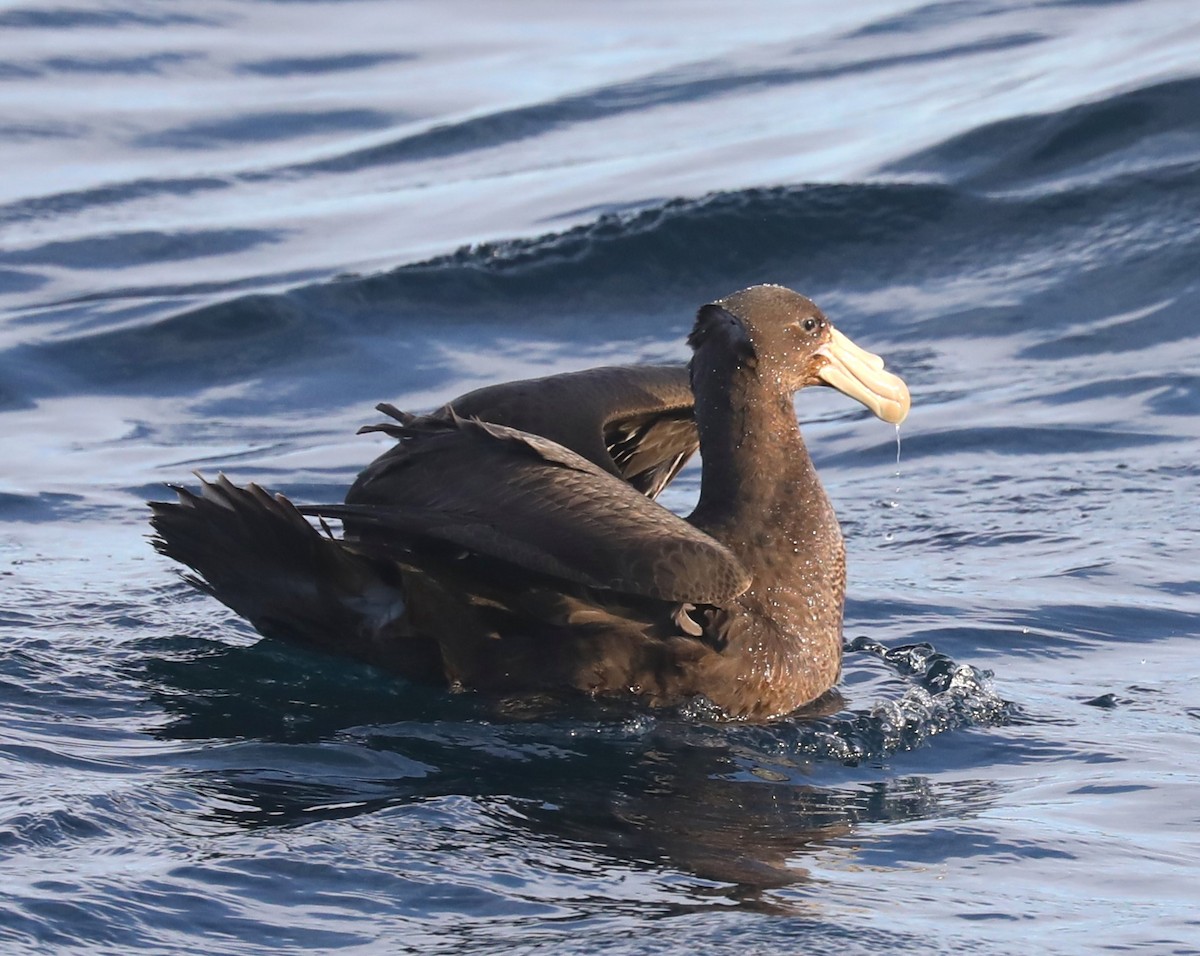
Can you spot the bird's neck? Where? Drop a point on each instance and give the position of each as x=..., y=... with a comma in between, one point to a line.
x=757, y=477
x=760, y=497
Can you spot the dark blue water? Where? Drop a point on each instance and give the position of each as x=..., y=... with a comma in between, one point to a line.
x=228, y=229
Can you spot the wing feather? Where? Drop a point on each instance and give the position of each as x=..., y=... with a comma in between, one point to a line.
x=635, y=421
x=526, y=500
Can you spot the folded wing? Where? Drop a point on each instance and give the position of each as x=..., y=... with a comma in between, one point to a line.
x=461, y=488
x=635, y=421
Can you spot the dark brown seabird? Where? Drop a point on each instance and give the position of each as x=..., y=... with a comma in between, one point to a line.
x=510, y=543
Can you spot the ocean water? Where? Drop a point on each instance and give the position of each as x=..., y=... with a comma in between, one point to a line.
x=228, y=228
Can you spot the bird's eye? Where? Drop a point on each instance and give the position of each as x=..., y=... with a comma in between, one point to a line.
x=809, y=324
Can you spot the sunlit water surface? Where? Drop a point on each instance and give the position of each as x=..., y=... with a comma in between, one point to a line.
x=227, y=229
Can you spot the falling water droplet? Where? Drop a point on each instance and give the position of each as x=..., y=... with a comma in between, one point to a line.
x=888, y=535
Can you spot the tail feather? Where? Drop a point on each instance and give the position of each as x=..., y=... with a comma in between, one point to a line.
x=257, y=554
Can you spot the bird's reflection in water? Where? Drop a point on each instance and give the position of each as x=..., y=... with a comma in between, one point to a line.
x=649, y=791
